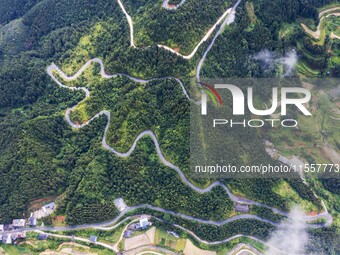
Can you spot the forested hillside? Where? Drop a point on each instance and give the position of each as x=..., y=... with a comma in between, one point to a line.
x=11, y=10
x=37, y=156
x=181, y=29
x=41, y=155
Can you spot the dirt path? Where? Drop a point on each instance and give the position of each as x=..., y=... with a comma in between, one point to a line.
x=322, y=13
x=115, y=247
x=316, y=34
x=332, y=35
x=107, y=246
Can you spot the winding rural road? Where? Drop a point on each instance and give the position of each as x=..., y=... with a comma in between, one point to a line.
x=322, y=15
x=114, y=246
x=206, y=36
x=332, y=9
x=114, y=223
x=150, y=134
x=227, y=19
x=85, y=240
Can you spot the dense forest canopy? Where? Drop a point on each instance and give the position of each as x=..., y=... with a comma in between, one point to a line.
x=41, y=155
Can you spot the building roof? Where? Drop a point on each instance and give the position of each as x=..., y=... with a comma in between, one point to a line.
x=93, y=239
x=32, y=221
x=144, y=222
x=42, y=236
x=241, y=208
x=22, y=235
x=8, y=227
x=128, y=233
x=173, y=233
x=7, y=239
x=50, y=205
x=14, y=236
x=19, y=222
x=120, y=204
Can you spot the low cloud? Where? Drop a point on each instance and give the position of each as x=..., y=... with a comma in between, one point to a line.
x=289, y=61
x=266, y=57
x=291, y=237
x=270, y=60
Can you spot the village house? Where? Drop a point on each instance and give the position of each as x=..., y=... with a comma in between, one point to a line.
x=44, y=211
x=142, y=224
x=50, y=206
x=32, y=221
x=19, y=223
x=128, y=233
x=173, y=234
x=14, y=236
x=241, y=208
x=120, y=204
x=93, y=239
x=7, y=239
x=8, y=227
x=42, y=237
x=21, y=235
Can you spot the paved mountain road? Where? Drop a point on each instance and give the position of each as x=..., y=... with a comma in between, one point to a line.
x=206, y=36
x=149, y=133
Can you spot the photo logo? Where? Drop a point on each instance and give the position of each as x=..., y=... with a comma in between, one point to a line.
x=239, y=99
x=211, y=91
